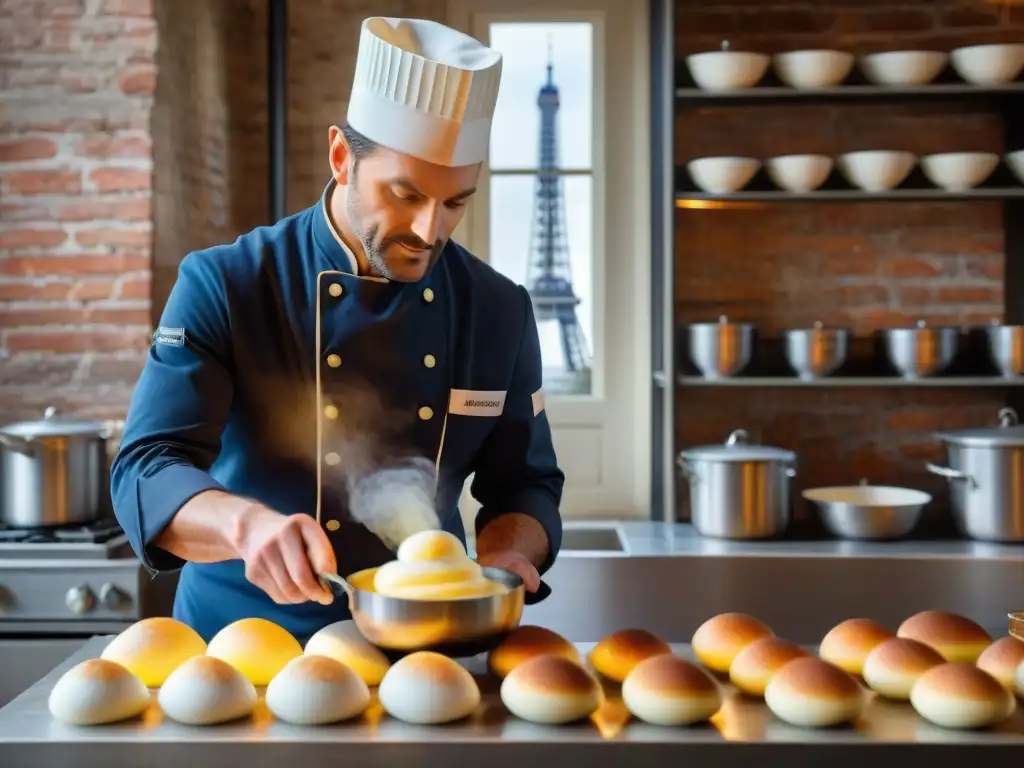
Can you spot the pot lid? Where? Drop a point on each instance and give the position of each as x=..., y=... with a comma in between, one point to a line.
x=1009, y=433
x=53, y=426
x=736, y=448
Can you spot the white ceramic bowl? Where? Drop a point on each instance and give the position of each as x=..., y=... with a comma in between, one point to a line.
x=721, y=175
x=959, y=171
x=727, y=70
x=989, y=64
x=903, y=67
x=799, y=173
x=812, y=69
x=876, y=170
x=1015, y=160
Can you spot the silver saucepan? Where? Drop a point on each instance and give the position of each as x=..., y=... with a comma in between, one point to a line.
x=460, y=628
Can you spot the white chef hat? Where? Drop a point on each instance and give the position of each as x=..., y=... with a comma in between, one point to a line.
x=424, y=89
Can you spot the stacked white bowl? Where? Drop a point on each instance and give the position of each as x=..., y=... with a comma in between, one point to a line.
x=903, y=67
x=1015, y=160
x=877, y=170
x=807, y=70
x=959, y=171
x=721, y=175
x=727, y=70
x=799, y=173
x=993, y=64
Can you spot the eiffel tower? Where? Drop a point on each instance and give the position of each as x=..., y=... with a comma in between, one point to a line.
x=549, y=272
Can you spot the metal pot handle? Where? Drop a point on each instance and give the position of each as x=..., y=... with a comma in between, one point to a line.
x=1007, y=417
x=336, y=584
x=738, y=437
x=18, y=444
x=686, y=470
x=951, y=474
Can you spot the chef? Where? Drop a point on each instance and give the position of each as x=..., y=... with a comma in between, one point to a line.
x=352, y=334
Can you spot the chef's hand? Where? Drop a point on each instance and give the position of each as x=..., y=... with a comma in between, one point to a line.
x=284, y=553
x=516, y=562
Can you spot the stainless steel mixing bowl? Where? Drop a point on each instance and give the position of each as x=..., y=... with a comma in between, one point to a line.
x=721, y=349
x=816, y=352
x=1006, y=349
x=923, y=350
x=868, y=511
x=462, y=627
x=1016, y=624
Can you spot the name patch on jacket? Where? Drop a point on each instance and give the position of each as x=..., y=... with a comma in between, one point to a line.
x=174, y=337
x=470, y=402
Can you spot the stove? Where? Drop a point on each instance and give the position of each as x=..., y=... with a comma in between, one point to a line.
x=102, y=539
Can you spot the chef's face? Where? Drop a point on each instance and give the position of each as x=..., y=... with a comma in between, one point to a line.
x=401, y=209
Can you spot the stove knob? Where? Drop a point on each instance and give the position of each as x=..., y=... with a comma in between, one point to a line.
x=79, y=600
x=113, y=598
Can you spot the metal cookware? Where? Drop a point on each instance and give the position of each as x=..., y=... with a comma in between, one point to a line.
x=721, y=349
x=738, y=490
x=54, y=471
x=986, y=479
x=921, y=351
x=1016, y=624
x=458, y=628
x=816, y=352
x=868, y=512
x=1006, y=349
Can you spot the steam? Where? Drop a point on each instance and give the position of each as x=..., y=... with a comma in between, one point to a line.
x=395, y=502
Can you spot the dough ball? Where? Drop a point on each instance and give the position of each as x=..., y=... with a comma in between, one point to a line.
x=955, y=637
x=892, y=668
x=206, y=691
x=97, y=692
x=717, y=641
x=1002, y=659
x=551, y=690
x=616, y=655
x=668, y=690
x=343, y=642
x=314, y=690
x=426, y=688
x=848, y=643
x=430, y=545
x=755, y=665
x=528, y=642
x=811, y=693
x=258, y=648
x=396, y=578
x=153, y=648
x=959, y=695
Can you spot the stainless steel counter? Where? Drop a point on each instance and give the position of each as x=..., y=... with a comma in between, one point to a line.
x=744, y=733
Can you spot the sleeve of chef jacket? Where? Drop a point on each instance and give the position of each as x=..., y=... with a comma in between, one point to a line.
x=517, y=470
x=178, y=411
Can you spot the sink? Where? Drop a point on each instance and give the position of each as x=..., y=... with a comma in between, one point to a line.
x=591, y=540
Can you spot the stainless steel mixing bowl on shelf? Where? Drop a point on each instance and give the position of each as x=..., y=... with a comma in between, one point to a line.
x=1006, y=349
x=816, y=352
x=923, y=350
x=868, y=512
x=721, y=349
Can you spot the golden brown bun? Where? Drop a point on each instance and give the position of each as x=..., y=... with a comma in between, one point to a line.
x=426, y=688
x=551, y=690
x=811, y=693
x=153, y=648
x=257, y=648
x=848, y=643
x=1002, y=659
x=525, y=643
x=756, y=664
x=96, y=692
x=343, y=642
x=956, y=637
x=717, y=641
x=959, y=695
x=616, y=655
x=668, y=690
x=893, y=666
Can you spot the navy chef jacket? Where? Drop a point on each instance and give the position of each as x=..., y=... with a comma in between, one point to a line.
x=261, y=347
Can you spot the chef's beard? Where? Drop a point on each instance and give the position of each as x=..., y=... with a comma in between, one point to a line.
x=375, y=245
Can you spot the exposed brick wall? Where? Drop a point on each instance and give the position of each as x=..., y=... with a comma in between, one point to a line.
x=77, y=79
x=864, y=265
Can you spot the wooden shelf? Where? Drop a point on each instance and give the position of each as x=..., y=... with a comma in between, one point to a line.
x=850, y=381
x=770, y=94
x=852, y=195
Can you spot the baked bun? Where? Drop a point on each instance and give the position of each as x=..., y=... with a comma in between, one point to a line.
x=955, y=637
x=1019, y=680
x=848, y=643
x=668, y=690
x=893, y=666
x=257, y=648
x=314, y=690
x=811, y=693
x=756, y=664
x=959, y=695
x=430, y=545
x=717, y=641
x=1002, y=659
x=343, y=642
x=551, y=690
x=97, y=692
x=153, y=648
x=206, y=690
x=426, y=688
x=528, y=642
x=616, y=655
